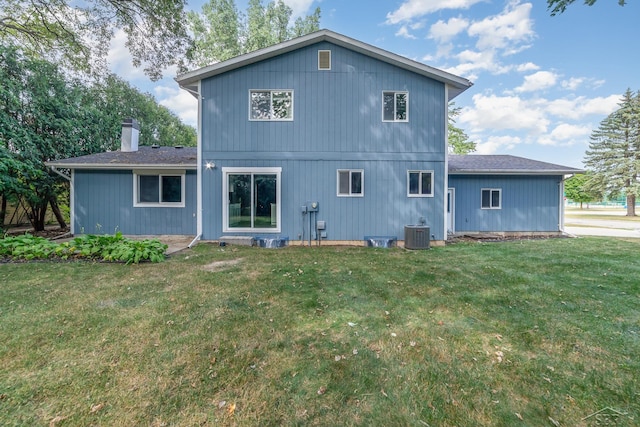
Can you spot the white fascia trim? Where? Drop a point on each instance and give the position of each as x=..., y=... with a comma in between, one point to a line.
x=122, y=166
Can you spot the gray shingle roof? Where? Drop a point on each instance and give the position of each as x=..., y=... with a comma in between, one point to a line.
x=145, y=157
x=504, y=164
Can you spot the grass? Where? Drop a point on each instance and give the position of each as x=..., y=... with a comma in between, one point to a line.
x=542, y=332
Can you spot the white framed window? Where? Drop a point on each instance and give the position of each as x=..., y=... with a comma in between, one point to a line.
x=271, y=105
x=419, y=183
x=395, y=106
x=350, y=182
x=251, y=199
x=491, y=198
x=324, y=60
x=158, y=188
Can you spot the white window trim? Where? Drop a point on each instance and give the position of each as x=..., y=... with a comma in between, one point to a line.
x=491, y=190
x=226, y=171
x=319, y=53
x=160, y=174
x=271, y=91
x=419, y=183
x=361, y=194
x=395, y=92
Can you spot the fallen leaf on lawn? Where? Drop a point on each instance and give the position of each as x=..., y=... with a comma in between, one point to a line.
x=383, y=393
x=56, y=420
x=96, y=408
x=231, y=409
x=221, y=404
x=355, y=351
x=554, y=422
x=352, y=324
x=322, y=390
x=519, y=417
x=412, y=343
x=393, y=334
x=337, y=358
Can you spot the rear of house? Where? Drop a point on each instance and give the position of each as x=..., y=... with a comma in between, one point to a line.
x=322, y=131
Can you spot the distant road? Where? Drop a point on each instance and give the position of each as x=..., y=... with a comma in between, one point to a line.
x=601, y=222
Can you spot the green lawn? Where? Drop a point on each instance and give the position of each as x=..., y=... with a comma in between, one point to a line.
x=535, y=333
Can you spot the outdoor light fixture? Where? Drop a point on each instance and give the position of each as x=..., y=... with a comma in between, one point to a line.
x=210, y=165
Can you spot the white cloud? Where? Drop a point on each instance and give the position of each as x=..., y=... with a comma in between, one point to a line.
x=180, y=102
x=495, y=144
x=404, y=32
x=413, y=9
x=472, y=62
x=119, y=58
x=538, y=81
x=529, y=66
x=509, y=31
x=573, y=83
x=445, y=31
x=566, y=134
x=491, y=112
x=580, y=107
x=299, y=7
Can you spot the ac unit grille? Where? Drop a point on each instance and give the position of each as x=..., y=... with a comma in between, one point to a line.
x=416, y=237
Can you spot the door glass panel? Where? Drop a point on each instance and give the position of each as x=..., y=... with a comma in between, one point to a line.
x=239, y=201
x=265, y=208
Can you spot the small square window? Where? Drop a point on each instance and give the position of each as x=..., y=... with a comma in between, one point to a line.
x=420, y=183
x=395, y=106
x=491, y=198
x=350, y=183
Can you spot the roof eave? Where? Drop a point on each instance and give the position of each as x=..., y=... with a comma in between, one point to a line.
x=517, y=172
x=120, y=166
x=456, y=84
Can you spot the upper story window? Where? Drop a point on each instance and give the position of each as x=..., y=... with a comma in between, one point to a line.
x=420, y=183
x=350, y=183
x=395, y=106
x=271, y=105
x=324, y=60
x=158, y=189
x=491, y=198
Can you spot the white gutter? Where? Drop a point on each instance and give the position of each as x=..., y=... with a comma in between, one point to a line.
x=561, y=208
x=54, y=169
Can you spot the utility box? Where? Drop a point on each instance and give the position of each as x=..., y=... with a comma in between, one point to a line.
x=417, y=237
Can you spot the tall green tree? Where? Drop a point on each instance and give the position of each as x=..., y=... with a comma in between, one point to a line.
x=79, y=32
x=577, y=189
x=613, y=156
x=559, y=6
x=45, y=115
x=459, y=142
x=221, y=32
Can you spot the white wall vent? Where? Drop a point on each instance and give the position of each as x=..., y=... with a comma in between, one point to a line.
x=324, y=60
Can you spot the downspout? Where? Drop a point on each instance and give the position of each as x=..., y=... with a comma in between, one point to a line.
x=446, y=160
x=199, y=177
x=72, y=204
x=561, y=204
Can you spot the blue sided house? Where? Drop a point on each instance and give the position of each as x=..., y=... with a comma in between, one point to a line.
x=321, y=137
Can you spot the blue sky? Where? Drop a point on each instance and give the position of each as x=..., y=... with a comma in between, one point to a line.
x=542, y=84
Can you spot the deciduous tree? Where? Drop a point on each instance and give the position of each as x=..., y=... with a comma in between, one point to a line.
x=559, y=6
x=220, y=32
x=459, y=142
x=79, y=32
x=576, y=189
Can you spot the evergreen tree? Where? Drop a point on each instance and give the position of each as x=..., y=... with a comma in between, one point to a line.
x=559, y=6
x=614, y=152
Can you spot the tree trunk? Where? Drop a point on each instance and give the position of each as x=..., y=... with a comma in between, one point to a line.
x=3, y=211
x=37, y=215
x=56, y=211
x=631, y=205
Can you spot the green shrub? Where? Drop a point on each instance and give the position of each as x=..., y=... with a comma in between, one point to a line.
x=112, y=248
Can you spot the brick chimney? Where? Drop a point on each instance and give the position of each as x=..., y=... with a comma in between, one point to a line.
x=130, y=135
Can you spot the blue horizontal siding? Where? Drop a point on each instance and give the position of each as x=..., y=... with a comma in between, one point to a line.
x=104, y=204
x=529, y=203
x=383, y=211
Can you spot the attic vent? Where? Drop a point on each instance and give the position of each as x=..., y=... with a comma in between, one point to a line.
x=324, y=60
